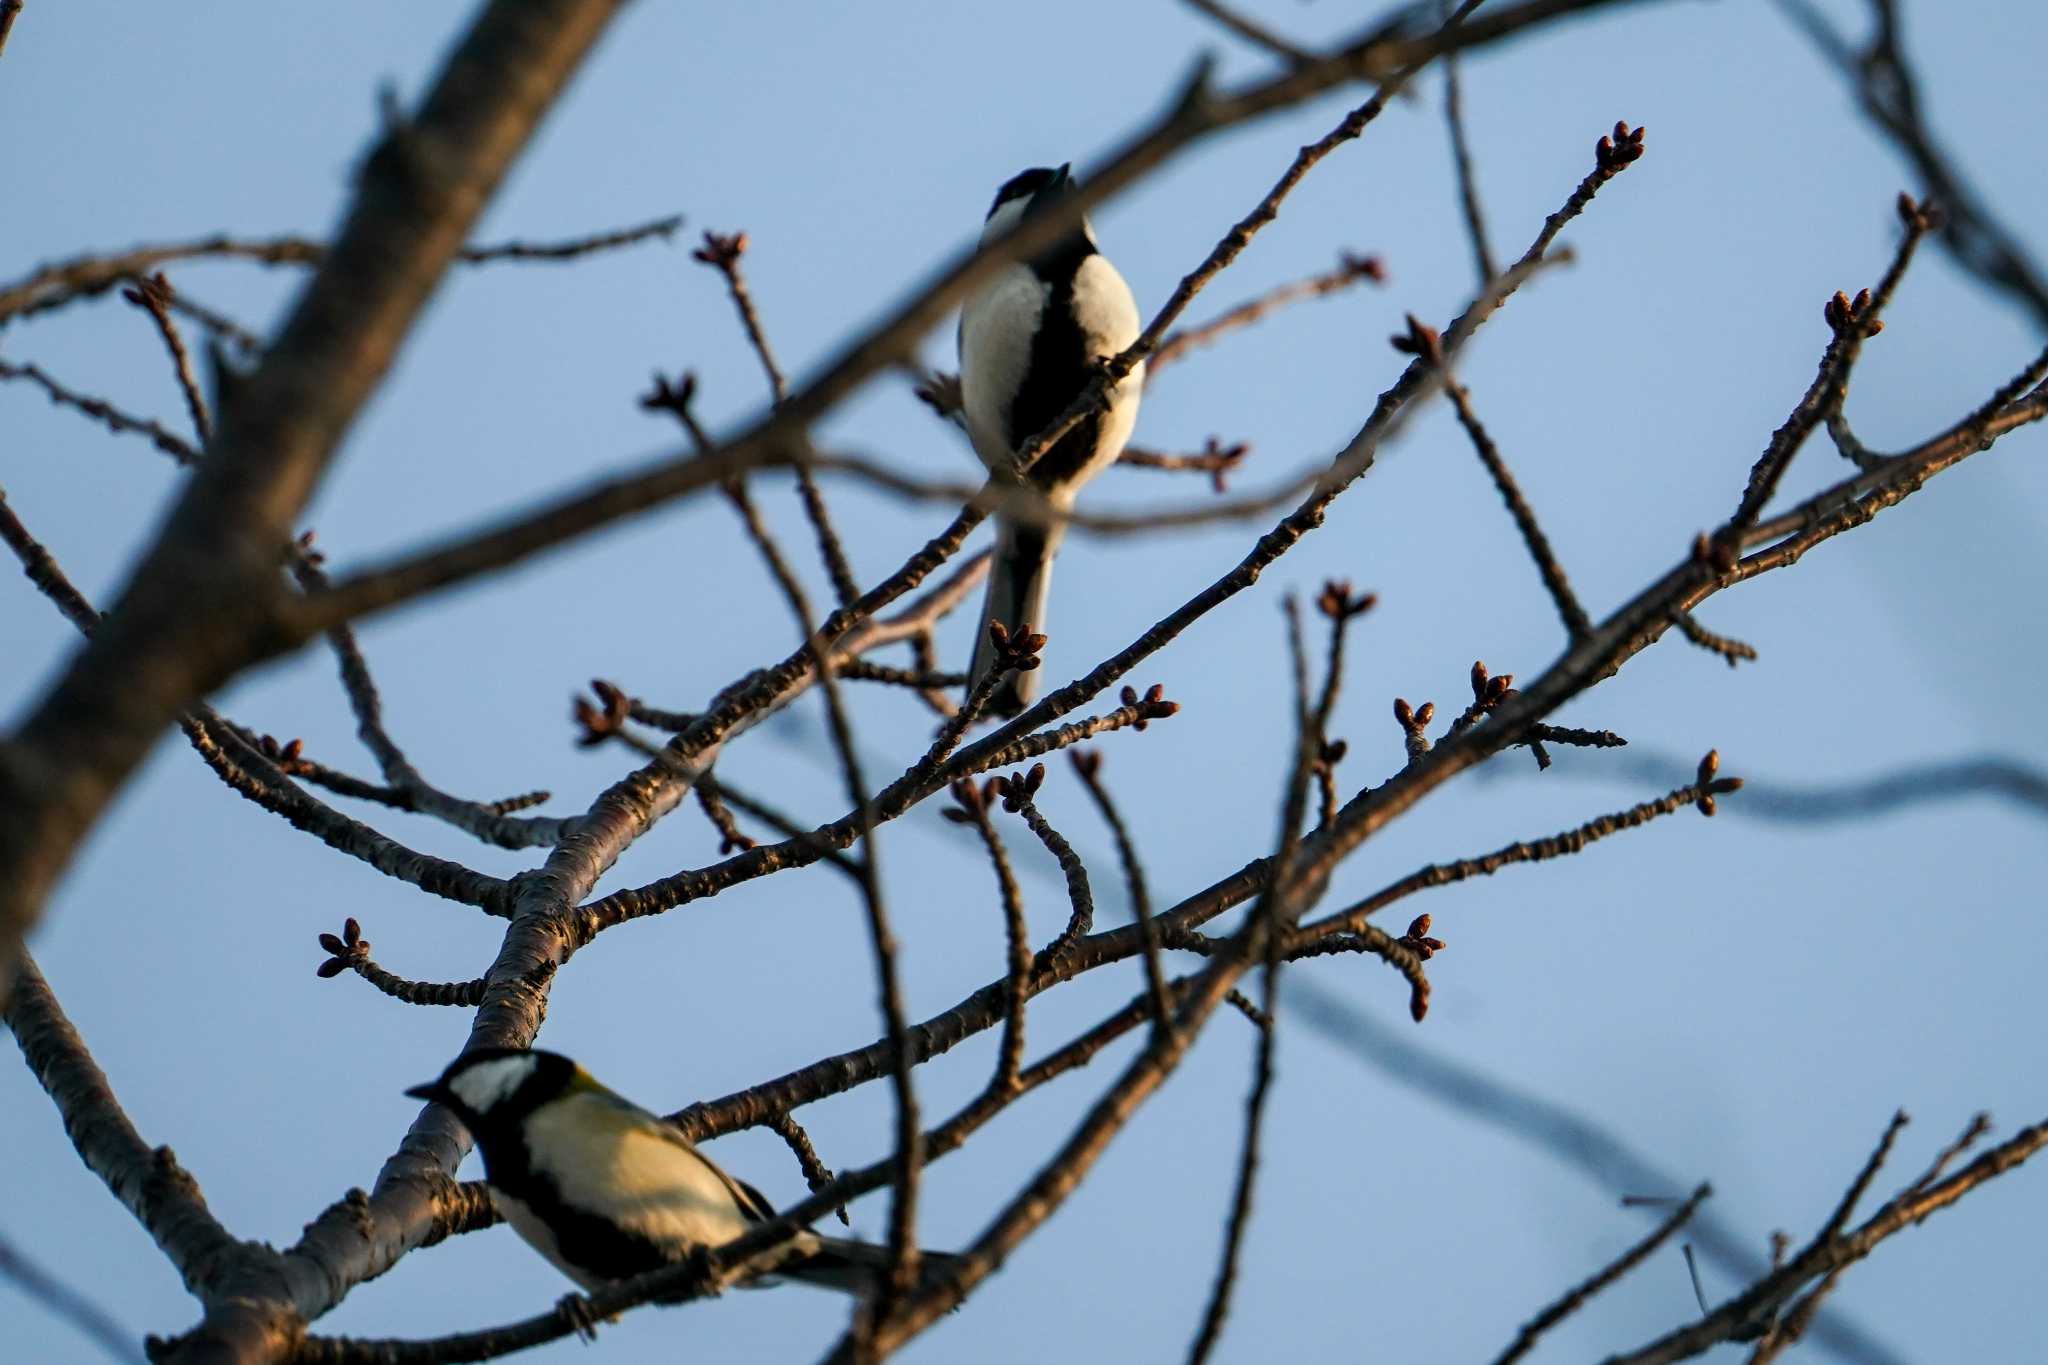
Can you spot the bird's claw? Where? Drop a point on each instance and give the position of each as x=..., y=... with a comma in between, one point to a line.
x=581, y=1316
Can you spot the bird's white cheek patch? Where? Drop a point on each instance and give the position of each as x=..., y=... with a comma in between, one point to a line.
x=485, y=1084
x=1003, y=219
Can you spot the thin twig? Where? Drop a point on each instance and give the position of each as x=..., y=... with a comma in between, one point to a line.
x=1574, y=1139
x=1080, y=899
x=1559, y=845
x=1255, y=34
x=1461, y=158
x=1088, y=763
x=1573, y=1300
x=1263, y=931
x=1853, y=322
x=153, y=296
x=574, y=247
x=862, y=670
x=170, y=443
x=57, y=284
x=722, y=252
x=974, y=802
x=1884, y=84
x=709, y=798
x=1349, y=271
x=350, y=951
x=490, y=822
x=817, y=1174
x=1215, y=459
x=251, y=774
x=1727, y=646
x=1761, y=1300
x=1576, y=622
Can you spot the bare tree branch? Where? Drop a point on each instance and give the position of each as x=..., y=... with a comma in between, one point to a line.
x=183, y=622
x=1882, y=81
x=147, y=1180
x=53, y=286
x=1834, y=1251
x=1525, y=1340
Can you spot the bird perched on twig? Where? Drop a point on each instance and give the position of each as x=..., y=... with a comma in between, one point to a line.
x=606, y=1190
x=1029, y=342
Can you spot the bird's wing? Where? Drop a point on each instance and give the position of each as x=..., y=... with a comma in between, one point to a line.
x=753, y=1206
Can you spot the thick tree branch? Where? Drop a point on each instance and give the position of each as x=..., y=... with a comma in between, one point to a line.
x=189, y=615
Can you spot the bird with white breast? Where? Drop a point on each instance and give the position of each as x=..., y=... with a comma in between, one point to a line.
x=606, y=1190
x=1030, y=341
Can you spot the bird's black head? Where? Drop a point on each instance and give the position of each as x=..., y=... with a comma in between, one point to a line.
x=1032, y=192
x=1034, y=188
x=493, y=1088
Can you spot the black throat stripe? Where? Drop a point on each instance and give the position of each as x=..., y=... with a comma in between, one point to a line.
x=1060, y=366
x=591, y=1243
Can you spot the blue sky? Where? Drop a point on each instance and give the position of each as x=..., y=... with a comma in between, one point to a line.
x=1747, y=1001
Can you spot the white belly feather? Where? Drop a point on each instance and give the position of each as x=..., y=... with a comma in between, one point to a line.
x=996, y=328
x=996, y=331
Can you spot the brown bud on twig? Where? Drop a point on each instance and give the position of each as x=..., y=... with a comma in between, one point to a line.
x=1418, y=942
x=289, y=757
x=1222, y=459
x=1369, y=267
x=1333, y=752
x=667, y=397
x=1336, y=602
x=1707, y=779
x=1920, y=215
x=1018, y=650
x=1620, y=149
x=1419, y=340
x=151, y=292
x=1017, y=789
x=1414, y=723
x=1844, y=313
x=600, y=722
x=306, y=551
x=721, y=250
x=350, y=947
x=1150, y=707
x=969, y=799
x=1717, y=552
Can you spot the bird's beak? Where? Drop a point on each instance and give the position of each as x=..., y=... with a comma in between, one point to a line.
x=430, y=1092
x=1065, y=179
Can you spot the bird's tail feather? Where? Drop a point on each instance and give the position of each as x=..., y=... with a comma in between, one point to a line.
x=1018, y=578
x=859, y=1267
